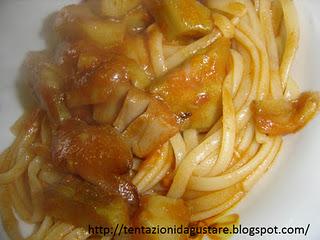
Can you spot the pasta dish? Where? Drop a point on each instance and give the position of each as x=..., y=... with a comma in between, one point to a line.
x=152, y=113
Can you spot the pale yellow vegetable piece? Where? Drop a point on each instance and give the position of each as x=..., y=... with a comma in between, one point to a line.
x=181, y=18
x=164, y=212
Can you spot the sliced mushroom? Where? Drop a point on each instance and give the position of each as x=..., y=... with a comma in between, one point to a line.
x=134, y=105
x=47, y=80
x=194, y=88
x=151, y=129
x=282, y=117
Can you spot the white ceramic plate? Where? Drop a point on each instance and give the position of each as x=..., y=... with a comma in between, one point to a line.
x=289, y=194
